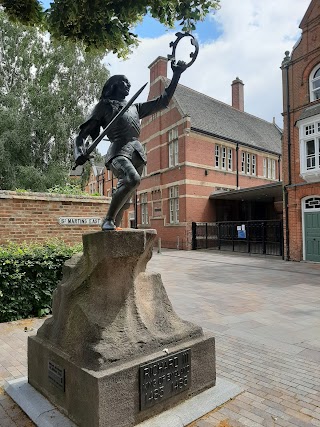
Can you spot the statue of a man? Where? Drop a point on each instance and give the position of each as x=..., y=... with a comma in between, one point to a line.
x=125, y=156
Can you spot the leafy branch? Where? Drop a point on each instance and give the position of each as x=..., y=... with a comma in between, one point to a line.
x=107, y=25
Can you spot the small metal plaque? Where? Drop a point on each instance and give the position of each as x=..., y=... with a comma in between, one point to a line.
x=56, y=375
x=164, y=378
x=79, y=221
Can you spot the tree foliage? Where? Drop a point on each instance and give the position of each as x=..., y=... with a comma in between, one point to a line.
x=45, y=90
x=107, y=25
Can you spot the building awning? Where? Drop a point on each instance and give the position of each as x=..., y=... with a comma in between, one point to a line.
x=262, y=193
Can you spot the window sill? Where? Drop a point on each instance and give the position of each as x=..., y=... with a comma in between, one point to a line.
x=311, y=176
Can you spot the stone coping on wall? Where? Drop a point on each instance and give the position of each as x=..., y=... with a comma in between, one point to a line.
x=6, y=194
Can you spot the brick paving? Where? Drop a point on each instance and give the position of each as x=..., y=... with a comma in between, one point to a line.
x=265, y=314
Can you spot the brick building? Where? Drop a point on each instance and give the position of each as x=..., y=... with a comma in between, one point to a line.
x=197, y=147
x=301, y=141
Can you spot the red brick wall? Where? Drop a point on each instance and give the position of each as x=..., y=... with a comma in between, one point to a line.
x=305, y=57
x=35, y=216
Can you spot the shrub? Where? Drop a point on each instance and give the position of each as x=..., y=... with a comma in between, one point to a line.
x=29, y=273
x=70, y=189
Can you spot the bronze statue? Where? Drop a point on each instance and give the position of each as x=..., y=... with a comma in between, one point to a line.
x=125, y=156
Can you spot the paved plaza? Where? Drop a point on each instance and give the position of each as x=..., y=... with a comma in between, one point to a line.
x=265, y=314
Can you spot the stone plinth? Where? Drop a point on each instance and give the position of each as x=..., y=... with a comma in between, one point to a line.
x=109, y=318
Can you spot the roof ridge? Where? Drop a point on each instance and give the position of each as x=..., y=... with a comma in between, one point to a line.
x=221, y=102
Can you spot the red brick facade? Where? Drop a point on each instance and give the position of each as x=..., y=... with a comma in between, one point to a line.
x=301, y=176
x=37, y=217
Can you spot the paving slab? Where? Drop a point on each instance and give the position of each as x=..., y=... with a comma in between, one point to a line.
x=234, y=296
x=44, y=414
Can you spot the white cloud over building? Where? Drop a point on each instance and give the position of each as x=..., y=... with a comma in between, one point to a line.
x=254, y=34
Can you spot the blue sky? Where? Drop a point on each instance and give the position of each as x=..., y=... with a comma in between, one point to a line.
x=245, y=39
x=152, y=28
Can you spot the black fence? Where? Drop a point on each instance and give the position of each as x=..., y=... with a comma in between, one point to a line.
x=259, y=237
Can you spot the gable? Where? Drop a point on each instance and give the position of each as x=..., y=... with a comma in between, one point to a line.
x=312, y=13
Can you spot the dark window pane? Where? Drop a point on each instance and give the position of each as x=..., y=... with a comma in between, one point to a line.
x=310, y=147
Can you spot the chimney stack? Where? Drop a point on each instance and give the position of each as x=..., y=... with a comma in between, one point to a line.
x=158, y=68
x=237, y=94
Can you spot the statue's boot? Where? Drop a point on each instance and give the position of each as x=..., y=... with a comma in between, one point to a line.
x=108, y=224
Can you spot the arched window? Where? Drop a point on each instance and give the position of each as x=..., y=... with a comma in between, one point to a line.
x=312, y=203
x=315, y=84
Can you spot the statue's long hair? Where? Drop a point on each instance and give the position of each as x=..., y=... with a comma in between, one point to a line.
x=110, y=86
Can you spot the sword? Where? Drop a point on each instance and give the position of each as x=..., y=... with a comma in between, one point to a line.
x=80, y=160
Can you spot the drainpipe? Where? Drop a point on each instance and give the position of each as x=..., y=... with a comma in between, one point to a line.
x=135, y=209
x=279, y=168
x=285, y=64
x=111, y=183
x=237, y=164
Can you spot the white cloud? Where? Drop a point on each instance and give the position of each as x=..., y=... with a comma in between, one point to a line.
x=254, y=36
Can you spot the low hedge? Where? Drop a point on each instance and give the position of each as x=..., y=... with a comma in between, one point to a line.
x=29, y=273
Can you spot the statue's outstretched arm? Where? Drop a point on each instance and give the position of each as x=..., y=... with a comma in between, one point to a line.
x=157, y=104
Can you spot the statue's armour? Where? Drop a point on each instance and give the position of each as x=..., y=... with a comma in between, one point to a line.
x=124, y=136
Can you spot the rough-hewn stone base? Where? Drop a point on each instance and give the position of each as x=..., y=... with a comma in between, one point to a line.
x=110, y=398
x=109, y=318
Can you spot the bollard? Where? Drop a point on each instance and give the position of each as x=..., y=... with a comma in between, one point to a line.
x=159, y=245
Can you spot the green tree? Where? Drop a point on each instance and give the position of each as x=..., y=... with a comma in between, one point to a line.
x=107, y=25
x=45, y=90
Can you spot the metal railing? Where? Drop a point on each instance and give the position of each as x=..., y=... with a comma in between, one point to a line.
x=260, y=237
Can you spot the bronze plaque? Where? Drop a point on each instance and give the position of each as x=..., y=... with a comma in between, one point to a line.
x=164, y=378
x=56, y=375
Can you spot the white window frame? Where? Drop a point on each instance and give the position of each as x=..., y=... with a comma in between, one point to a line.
x=144, y=171
x=273, y=169
x=101, y=187
x=314, y=92
x=229, y=159
x=223, y=157
x=174, y=204
x=265, y=167
x=217, y=156
x=243, y=162
x=173, y=147
x=269, y=168
x=309, y=174
x=253, y=164
x=248, y=163
x=144, y=208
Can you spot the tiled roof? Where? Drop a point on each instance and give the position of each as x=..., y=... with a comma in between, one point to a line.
x=211, y=116
x=313, y=110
